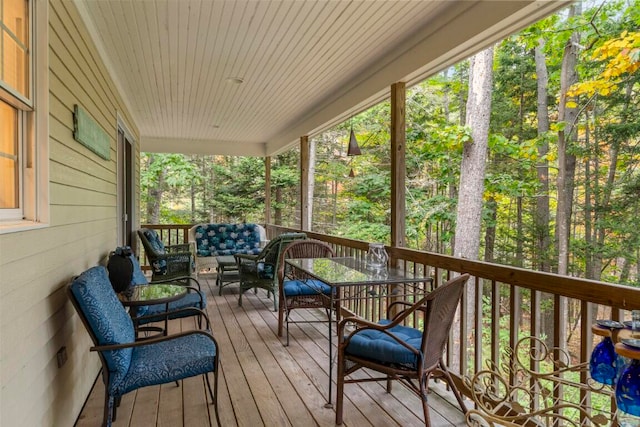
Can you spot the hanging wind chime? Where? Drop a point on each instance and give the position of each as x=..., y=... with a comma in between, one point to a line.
x=353, y=149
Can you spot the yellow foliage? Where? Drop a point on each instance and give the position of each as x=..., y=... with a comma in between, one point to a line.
x=621, y=56
x=552, y=156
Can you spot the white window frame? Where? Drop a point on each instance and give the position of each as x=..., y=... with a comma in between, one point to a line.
x=33, y=132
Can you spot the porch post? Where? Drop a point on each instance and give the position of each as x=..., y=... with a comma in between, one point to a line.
x=304, y=183
x=267, y=190
x=398, y=165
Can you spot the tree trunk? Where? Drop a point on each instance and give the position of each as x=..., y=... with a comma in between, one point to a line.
x=566, y=138
x=490, y=232
x=155, y=195
x=543, y=238
x=542, y=213
x=192, y=194
x=589, y=239
x=566, y=171
x=604, y=206
x=277, y=215
x=519, y=260
x=474, y=157
x=311, y=183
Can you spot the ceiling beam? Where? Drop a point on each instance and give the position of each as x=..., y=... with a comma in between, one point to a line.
x=192, y=146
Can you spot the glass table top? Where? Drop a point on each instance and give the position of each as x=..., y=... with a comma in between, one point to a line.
x=349, y=271
x=152, y=294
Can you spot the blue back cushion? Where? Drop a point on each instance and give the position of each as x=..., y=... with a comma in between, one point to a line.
x=154, y=241
x=138, y=276
x=107, y=318
x=227, y=239
x=159, y=265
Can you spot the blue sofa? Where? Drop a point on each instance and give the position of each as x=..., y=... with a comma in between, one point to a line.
x=212, y=240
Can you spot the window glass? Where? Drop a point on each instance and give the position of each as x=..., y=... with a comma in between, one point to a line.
x=9, y=168
x=18, y=189
x=14, y=45
x=24, y=128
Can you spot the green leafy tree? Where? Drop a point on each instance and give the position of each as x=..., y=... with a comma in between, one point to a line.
x=162, y=177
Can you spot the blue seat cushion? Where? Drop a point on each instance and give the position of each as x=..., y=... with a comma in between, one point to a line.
x=168, y=361
x=375, y=345
x=292, y=288
x=192, y=299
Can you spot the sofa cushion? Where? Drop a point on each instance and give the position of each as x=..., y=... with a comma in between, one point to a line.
x=227, y=239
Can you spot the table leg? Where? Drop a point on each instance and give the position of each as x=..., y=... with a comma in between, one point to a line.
x=166, y=319
x=329, y=404
x=219, y=278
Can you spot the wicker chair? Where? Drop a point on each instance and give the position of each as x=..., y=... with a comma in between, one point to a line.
x=260, y=271
x=167, y=262
x=297, y=290
x=402, y=352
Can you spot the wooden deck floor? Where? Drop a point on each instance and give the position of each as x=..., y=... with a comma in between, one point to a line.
x=264, y=383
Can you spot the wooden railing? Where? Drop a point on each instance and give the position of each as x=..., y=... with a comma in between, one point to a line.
x=502, y=305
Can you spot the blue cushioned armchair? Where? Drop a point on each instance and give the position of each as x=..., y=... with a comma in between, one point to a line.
x=402, y=352
x=195, y=297
x=166, y=262
x=128, y=364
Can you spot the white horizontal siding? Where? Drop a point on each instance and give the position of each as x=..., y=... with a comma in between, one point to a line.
x=36, y=318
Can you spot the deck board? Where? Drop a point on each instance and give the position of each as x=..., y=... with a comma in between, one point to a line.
x=263, y=382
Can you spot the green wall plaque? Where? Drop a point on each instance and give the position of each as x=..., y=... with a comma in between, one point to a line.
x=90, y=134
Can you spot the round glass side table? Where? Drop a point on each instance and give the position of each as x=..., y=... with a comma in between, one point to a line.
x=139, y=296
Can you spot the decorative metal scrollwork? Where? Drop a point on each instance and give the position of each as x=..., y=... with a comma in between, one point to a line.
x=512, y=394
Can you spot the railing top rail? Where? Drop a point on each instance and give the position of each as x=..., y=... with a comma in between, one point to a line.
x=610, y=294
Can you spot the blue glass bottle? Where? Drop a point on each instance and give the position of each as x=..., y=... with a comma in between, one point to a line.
x=603, y=362
x=628, y=389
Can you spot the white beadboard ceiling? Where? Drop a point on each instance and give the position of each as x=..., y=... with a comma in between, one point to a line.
x=305, y=64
